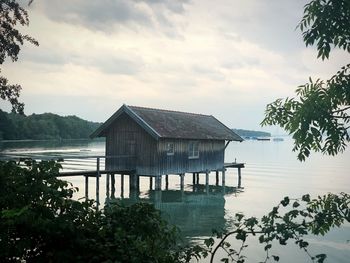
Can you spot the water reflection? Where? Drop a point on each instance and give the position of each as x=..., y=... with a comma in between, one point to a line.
x=196, y=213
x=29, y=146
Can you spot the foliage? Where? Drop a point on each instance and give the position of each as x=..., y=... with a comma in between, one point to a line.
x=40, y=222
x=11, y=15
x=318, y=118
x=289, y=220
x=44, y=126
x=327, y=23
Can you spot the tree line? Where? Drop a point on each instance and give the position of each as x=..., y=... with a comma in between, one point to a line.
x=45, y=126
x=249, y=133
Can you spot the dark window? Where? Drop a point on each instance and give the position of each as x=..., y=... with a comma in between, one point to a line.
x=170, y=148
x=193, y=150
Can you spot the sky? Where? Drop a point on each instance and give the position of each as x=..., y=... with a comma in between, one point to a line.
x=225, y=58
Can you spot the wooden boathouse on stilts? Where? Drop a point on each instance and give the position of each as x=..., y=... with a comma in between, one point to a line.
x=163, y=142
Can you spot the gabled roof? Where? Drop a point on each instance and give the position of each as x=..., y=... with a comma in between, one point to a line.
x=173, y=124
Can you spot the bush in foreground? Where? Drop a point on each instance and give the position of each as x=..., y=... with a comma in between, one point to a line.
x=40, y=222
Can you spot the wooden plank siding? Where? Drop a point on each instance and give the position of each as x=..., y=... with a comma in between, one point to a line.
x=211, y=156
x=126, y=137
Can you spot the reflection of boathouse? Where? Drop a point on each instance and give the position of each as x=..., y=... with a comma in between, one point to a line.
x=156, y=142
x=195, y=212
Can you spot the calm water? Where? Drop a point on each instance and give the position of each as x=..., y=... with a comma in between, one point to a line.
x=271, y=173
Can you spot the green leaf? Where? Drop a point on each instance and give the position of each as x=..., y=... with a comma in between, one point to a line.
x=275, y=258
x=285, y=201
x=296, y=204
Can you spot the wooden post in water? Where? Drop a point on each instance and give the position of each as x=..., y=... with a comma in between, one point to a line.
x=122, y=185
x=98, y=182
x=239, y=177
x=166, y=182
x=217, y=177
x=197, y=178
x=158, y=182
x=207, y=181
x=137, y=183
x=107, y=187
x=113, y=185
x=132, y=182
x=223, y=181
x=86, y=187
x=182, y=181
x=223, y=177
x=150, y=183
x=193, y=178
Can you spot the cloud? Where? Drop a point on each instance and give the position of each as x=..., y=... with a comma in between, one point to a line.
x=271, y=23
x=231, y=59
x=107, y=15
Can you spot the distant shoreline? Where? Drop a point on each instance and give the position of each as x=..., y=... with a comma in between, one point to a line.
x=250, y=133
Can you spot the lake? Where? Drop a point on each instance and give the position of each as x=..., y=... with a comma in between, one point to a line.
x=272, y=172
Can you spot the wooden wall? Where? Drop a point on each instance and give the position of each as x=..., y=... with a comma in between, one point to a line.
x=126, y=137
x=211, y=156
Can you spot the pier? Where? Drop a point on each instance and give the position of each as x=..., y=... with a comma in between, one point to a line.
x=93, y=167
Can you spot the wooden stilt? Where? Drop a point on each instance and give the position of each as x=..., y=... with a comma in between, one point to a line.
x=166, y=182
x=239, y=177
x=113, y=185
x=197, y=178
x=158, y=183
x=217, y=177
x=193, y=178
x=182, y=181
x=223, y=177
x=131, y=181
x=122, y=185
x=223, y=181
x=107, y=187
x=86, y=187
x=207, y=181
x=98, y=182
x=150, y=183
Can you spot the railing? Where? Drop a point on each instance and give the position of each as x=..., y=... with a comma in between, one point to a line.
x=87, y=166
x=75, y=164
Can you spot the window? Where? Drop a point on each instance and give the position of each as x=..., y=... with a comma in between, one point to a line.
x=193, y=151
x=170, y=148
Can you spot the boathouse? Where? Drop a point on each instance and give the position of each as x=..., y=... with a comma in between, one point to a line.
x=154, y=142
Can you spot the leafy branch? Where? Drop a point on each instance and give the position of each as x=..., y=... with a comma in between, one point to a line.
x=299, y=218
x=318, y=117
x=12, y=14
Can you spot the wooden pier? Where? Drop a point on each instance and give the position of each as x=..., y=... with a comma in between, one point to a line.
x=134, y=179
x=94, y=166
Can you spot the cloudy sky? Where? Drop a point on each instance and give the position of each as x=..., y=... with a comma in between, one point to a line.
x=227, y=58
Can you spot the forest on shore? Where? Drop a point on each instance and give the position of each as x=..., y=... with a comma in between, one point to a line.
x=46, y=126
x=249, y=133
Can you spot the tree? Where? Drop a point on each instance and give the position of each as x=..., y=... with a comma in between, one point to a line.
x=41, y=222
x=318, y=117
x=11, y=40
